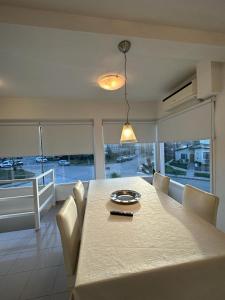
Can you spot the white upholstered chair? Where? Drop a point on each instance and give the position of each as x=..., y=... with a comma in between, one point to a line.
x=70, y=236
x=78, y=191
x=203, y=204
x=161, y=182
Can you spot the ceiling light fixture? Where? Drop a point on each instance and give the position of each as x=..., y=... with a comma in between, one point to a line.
x=111, y=82
x=127, y=135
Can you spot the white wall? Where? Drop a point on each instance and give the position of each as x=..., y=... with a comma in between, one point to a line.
x=60, y=109
x=220, y=152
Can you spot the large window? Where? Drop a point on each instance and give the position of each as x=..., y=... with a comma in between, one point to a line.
x=32, y=148
x=18, y=168
x=68, y=168
x=187, y=162
x=123, y=160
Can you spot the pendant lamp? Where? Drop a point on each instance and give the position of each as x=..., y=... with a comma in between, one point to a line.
x=127, y=135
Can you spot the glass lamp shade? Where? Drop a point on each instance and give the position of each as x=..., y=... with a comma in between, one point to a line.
x=128, y=135
x=111, y=82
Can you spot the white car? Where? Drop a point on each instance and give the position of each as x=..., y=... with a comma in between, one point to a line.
x=40, y=159
x=63, y=162
x=6, y=164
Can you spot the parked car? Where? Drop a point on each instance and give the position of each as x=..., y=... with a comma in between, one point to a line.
x=6, y=164
x=40, y=159
x=129, y=157
x=120, y=159
x=63, y=162
x=17, y=162
x=124, y=158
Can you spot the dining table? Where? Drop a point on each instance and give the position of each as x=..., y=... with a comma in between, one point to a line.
x=163, y=252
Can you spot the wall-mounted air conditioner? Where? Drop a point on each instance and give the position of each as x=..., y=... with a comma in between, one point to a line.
x=208, y=79
x=182, y=96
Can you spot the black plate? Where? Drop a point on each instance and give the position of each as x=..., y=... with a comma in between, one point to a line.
x=125, y=197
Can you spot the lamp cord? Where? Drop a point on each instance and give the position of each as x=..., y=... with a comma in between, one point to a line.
x=125, y=88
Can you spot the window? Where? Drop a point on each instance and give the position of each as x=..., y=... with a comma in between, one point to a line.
x=17, y=168
x=65, y=147
x=188, y=162
x=206, y=155
x=123, y=160
x=68, y=168
x=183, y=156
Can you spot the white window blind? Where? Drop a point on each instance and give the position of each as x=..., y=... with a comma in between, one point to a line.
x=194, y=124
x=19, y=140
x=144, y=131
x=67, y=138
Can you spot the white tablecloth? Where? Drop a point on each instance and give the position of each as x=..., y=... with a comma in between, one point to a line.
x=164, y=252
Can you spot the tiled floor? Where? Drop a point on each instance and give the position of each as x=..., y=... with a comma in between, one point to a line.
x=31, y=263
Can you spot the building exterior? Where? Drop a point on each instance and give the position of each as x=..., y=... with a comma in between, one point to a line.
x=198, y=153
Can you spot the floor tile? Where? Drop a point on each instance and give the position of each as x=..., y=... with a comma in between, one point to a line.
x=45, y=241
x=27, y=234
x=61, y=296
x=37, y=259
x=26, y=261
x=32, y=263
x=40, y=283
x=44, y=298
x=12, y=285
x=6, y=263
x=60, y=281
x=10, y=235
x=14, y=245
x=51, y=257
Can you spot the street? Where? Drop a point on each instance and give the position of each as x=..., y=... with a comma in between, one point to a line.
x=125, y=169
x=201, y=184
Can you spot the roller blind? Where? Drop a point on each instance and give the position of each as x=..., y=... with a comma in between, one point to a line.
x=73, y=138
x=144, y=131
x=19, y=140
x=194, y=124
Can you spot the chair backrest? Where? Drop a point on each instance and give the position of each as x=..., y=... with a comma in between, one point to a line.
x=78, y=191
x=161, y=182
x=203, y=204
x=70, y=234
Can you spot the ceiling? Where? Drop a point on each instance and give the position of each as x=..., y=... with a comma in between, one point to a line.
x=51, y=63
x=54, y=63
x=201, y=14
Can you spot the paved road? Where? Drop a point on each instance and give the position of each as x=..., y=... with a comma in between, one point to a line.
x=201, y=184
x=124, y=169
x=63, y=173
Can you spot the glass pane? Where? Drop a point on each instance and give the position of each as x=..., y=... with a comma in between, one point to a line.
x=69, y=168
x=188, y=162
x=18, y=168
x=124, y=160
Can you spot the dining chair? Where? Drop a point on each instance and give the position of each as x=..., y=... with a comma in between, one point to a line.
x=161, y=182
x=70, y=236
x=78, y=191
x=203, y=204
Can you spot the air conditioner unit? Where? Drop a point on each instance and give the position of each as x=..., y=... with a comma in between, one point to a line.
x=182, y=96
